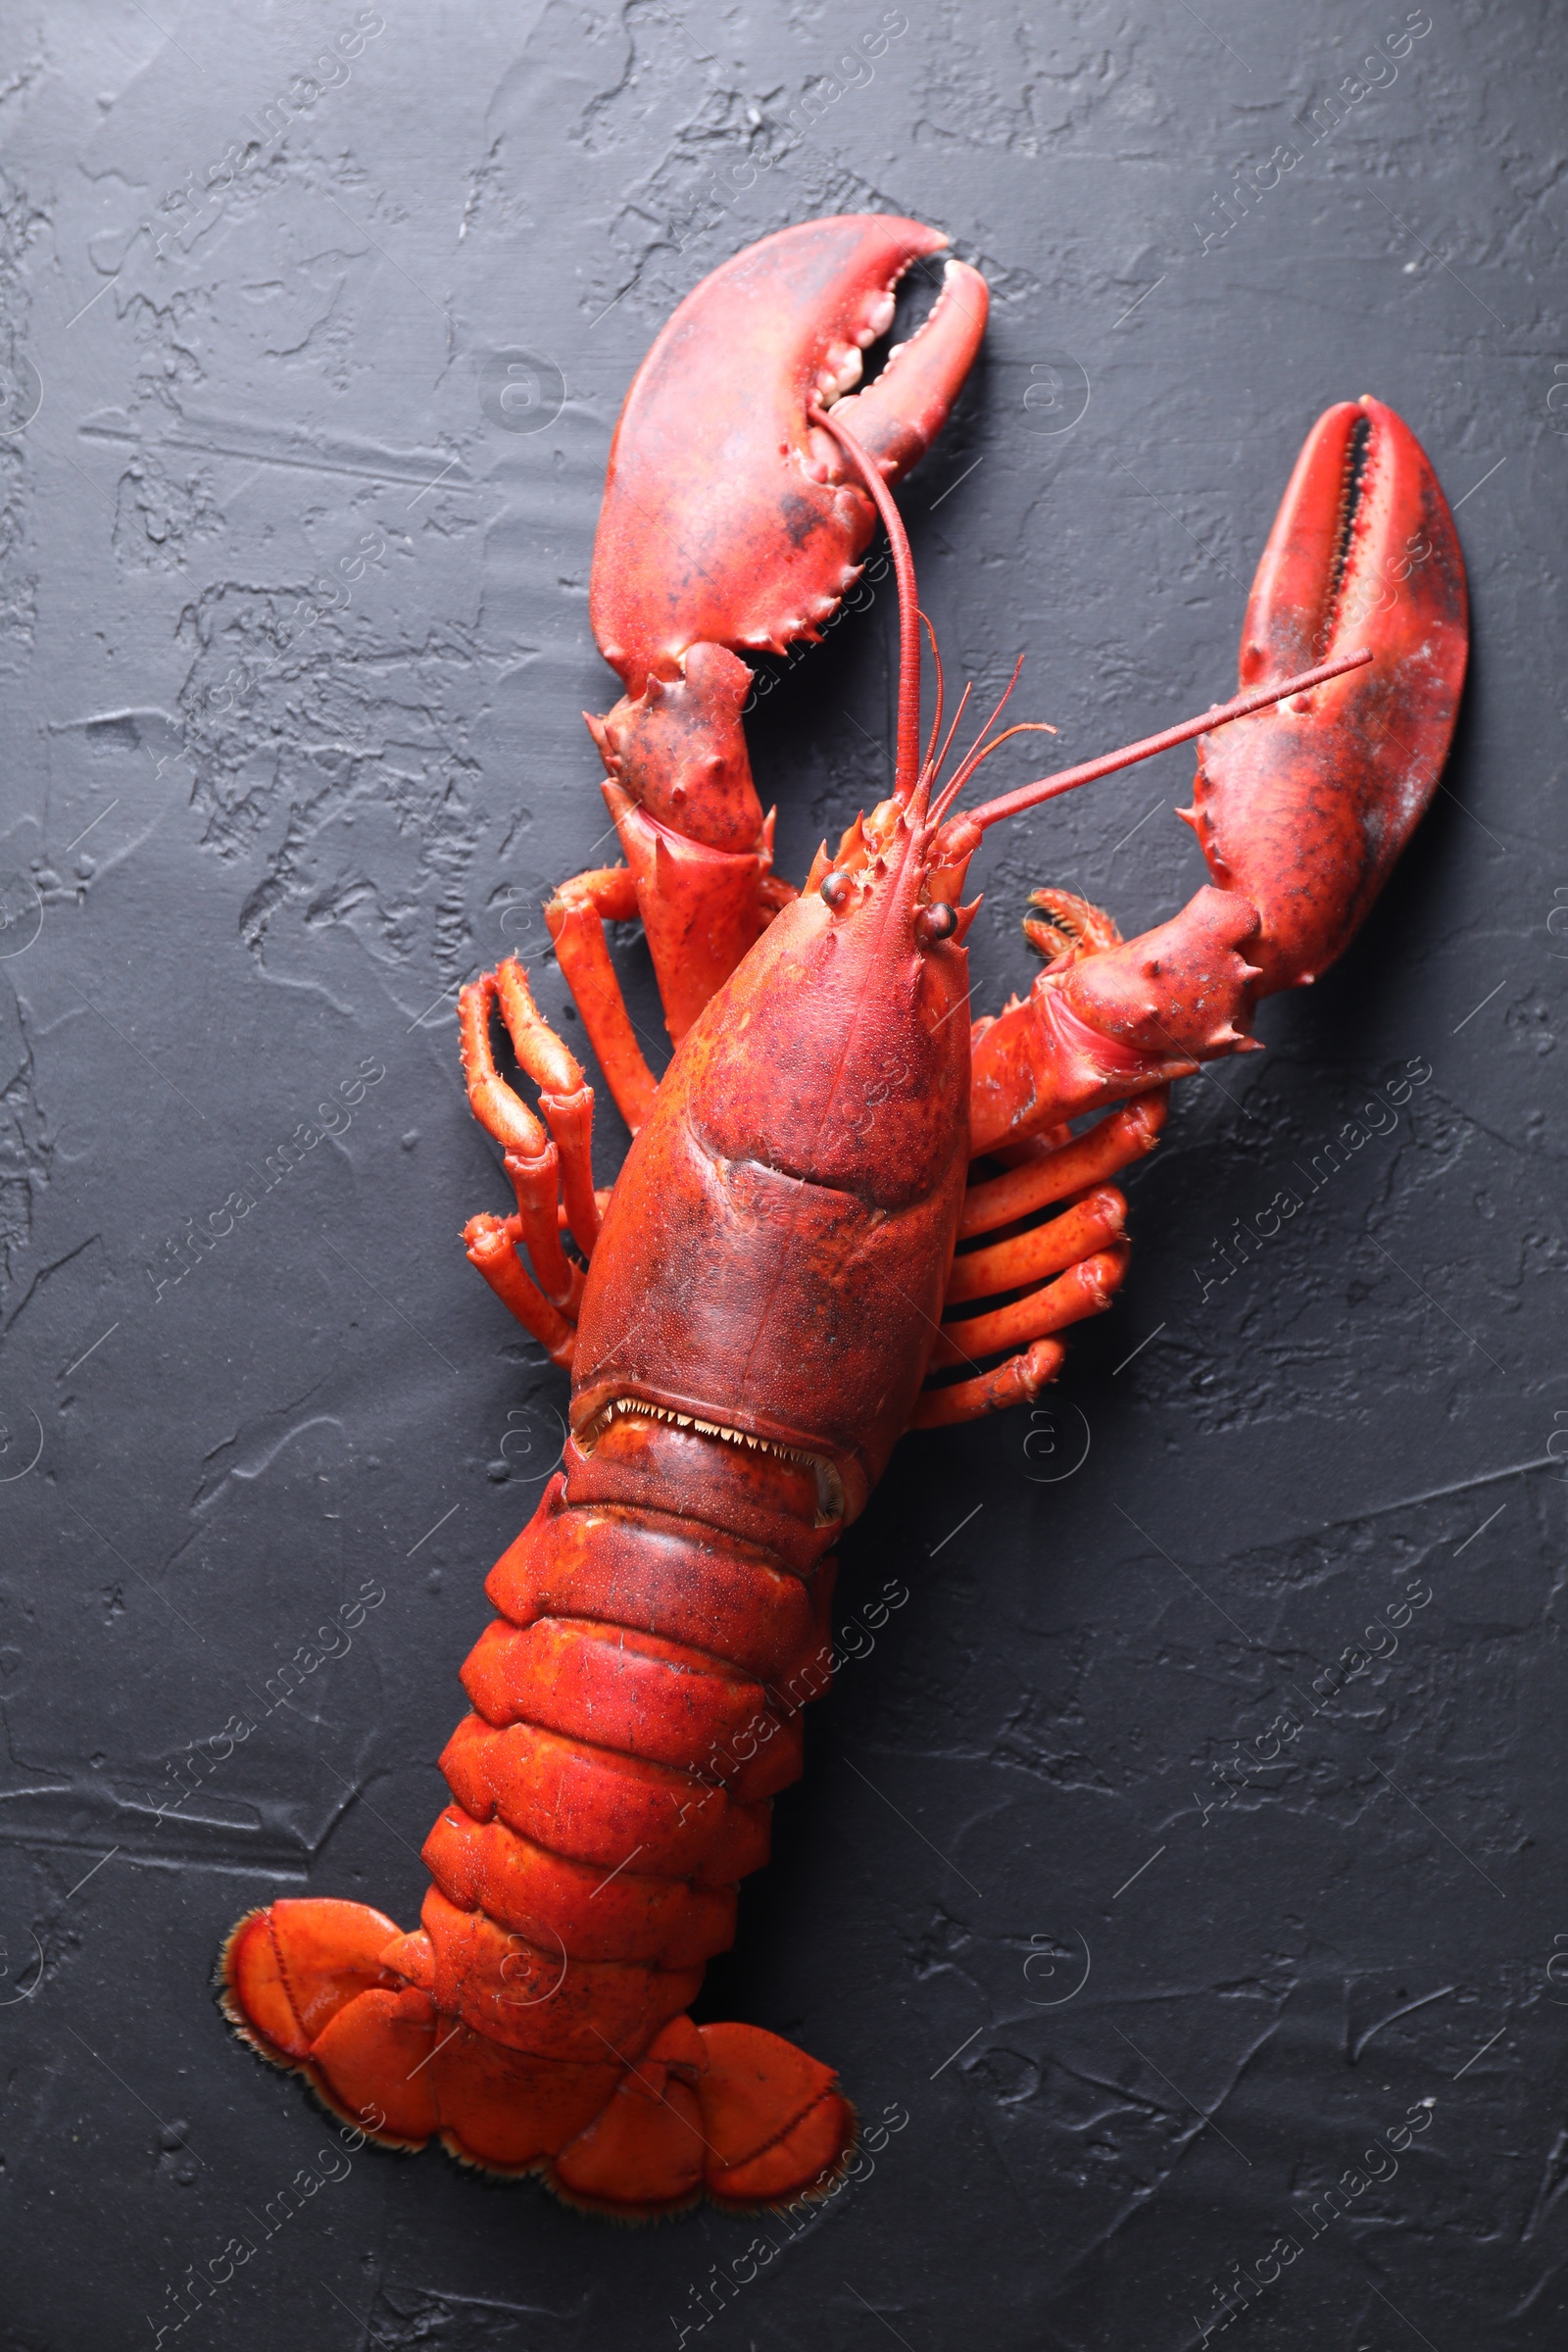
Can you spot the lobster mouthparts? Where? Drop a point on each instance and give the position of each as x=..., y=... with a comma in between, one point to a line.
x=1304, y=809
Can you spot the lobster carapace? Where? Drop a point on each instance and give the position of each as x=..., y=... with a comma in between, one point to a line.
x=801, y=1257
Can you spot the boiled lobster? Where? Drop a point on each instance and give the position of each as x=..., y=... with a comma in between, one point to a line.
x=801, y=1258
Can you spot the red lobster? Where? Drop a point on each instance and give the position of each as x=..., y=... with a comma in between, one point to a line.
x=799, y=1262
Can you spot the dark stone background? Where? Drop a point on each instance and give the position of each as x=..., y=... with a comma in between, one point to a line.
x=255, y=836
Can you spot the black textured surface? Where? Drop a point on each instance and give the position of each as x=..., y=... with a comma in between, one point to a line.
x=253, y=836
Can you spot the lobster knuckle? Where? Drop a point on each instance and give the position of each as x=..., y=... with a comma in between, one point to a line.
x=1179, y=990
x=679, y=749
x=1305, y=807
x=757, y=550
x=1098, y=1027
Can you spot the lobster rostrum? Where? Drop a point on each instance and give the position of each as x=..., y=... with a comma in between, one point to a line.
x=780, y=1284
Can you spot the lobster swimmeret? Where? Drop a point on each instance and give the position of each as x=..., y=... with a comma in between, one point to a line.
x=799, y=1261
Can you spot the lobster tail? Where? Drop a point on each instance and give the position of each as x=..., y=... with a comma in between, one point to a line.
x=636, y=1704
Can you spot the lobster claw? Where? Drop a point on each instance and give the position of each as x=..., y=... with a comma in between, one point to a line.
x=1305, y=807
x=731, y=523
x=728, y=518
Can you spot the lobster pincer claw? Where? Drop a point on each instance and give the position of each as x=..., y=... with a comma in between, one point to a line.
x=728, y=518
x=1305, y=807
x=733, y=523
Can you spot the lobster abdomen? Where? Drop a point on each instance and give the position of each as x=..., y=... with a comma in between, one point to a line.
x=637, y=1704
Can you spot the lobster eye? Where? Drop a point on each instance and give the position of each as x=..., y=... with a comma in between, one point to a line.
x=835, y=889
x=935, y=922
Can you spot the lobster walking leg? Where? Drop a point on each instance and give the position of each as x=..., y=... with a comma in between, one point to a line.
x=1087, y=1288
x=552, y=1175
x=1073, y=1169
x=1072, y=1244
x=1113, y=1142
x=1018, y=1381
x=1091, y=1223
x=576, y=916
x=565, y=1095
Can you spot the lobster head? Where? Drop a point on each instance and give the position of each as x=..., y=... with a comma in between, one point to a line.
x=786, y=1216
x=843, y=1057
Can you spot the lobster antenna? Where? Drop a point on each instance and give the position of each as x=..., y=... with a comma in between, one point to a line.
x=1067, y=780
x=908, y=766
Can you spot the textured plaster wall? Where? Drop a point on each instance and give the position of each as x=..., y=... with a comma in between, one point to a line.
x=309, y=377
